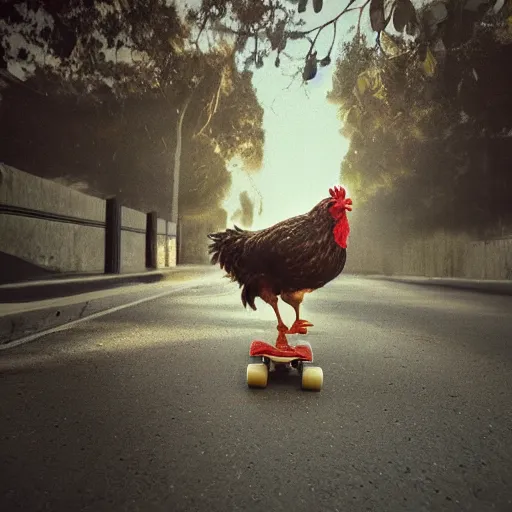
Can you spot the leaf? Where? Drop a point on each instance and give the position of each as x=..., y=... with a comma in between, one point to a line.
x=430, y=63
x=476, y=5
x=377, y=17
x=362, y=83
x=295, y=35
x=302, y=5
x=317, y=5
x=353, y=117
x=310, y=69
x=433, y=16
x=403, y=15
x=249, y=61
x=422, y=51
x=381, y=93
x=388, y=45
x=412, y=28
x=369, y=80
x=436, y=13
x=325, y=61
x=277, y=37
x=277, y=62
x=498, y=6
x=240, y=42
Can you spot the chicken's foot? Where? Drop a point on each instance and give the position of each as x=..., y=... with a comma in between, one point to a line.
x=299, y=327
x=295, y=300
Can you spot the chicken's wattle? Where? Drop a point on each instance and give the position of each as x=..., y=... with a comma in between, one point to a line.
x=341, y=231
x=339, y=213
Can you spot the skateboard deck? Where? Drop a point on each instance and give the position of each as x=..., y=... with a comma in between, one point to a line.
x=300, y=352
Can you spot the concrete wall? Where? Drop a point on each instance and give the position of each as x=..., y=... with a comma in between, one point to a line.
x=53, y=245
x=68, y=247
x=133, y=245
x=439, y=255
x=166, y=243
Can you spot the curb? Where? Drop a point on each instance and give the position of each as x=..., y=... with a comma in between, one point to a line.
x=494, y=287
x=30, y=291
x=53, y=310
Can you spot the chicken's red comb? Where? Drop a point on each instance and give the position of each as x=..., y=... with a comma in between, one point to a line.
x=339, y=193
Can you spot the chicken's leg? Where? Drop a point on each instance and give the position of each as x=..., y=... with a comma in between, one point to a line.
x=271, y=298
x=295, y=299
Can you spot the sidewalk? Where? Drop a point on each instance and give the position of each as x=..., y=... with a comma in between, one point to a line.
x=503, y=287
x=29, y=309
x=64, y=285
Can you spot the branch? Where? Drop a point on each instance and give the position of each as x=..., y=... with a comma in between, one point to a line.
x=333, y=38
x=295, y=34
x=203, y=26
x=359, y=19
x=330, y=22
x=294, y=77
x=213, y=110
x=333, y=21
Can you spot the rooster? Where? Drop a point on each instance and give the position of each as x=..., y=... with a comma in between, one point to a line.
x=291, y=258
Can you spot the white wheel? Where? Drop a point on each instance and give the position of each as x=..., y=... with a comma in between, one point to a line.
x=257, y=375
x=312, y=378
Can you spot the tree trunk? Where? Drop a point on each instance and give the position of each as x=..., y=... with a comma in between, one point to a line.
x=177, y=160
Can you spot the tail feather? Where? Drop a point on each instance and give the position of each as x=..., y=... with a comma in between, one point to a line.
x=249, y=294
x=226, y=250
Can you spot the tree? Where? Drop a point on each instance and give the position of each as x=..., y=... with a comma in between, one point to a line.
x=426, y=131
x=97, y=90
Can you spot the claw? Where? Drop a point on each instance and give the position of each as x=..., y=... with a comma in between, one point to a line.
x=299, y=327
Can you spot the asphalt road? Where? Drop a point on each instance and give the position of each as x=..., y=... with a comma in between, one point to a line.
x=147, y=409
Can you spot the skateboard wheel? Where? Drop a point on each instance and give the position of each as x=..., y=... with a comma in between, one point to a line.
x=257, y=375
x=312, y=378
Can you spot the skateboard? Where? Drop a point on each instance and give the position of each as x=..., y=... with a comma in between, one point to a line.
x=264, y=358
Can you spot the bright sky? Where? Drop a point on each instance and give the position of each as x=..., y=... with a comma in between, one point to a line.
x=303, y=147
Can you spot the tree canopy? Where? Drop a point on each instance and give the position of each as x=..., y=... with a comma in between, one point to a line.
x=429, y=120
x=264, y=27
x=92, y=91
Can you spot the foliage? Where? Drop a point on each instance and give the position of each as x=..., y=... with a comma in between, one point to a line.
x=107, y=82
x=245, y=214
x=261, y=27
x=206, y=182
x=426, y=141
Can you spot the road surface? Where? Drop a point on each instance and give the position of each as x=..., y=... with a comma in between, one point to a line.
x=147, y=409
